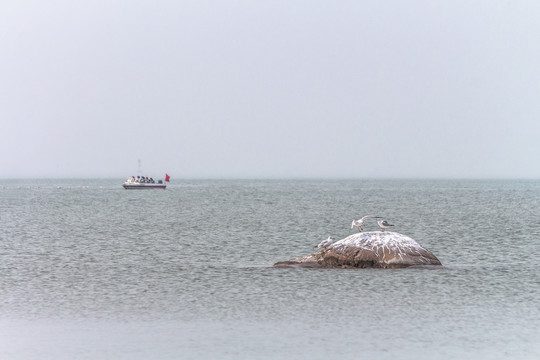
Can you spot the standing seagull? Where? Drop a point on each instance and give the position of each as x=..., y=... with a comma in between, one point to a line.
x=383, y=224
x=325, y=243
x=360, y=222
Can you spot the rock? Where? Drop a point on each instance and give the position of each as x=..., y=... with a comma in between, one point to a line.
x=375, y=249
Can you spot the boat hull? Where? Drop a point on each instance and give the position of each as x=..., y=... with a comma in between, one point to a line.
x=143, y=186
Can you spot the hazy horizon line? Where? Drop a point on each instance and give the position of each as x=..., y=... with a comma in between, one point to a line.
x=278, y=178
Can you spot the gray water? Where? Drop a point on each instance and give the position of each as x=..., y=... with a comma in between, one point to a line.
x=89, y=270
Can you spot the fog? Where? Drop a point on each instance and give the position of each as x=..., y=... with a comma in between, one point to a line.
x=275, y=89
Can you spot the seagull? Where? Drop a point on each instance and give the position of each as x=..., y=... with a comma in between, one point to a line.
x=383, y=224
x=325, y=243
x=358, y=223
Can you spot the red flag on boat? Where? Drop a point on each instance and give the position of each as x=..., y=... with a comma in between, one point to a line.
x=167, y=177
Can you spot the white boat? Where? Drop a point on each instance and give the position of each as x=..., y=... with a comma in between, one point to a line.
x=143, y=182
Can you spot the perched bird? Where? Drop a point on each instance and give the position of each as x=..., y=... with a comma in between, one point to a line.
x=358, y=223
x=383, y=224
x=325, y=243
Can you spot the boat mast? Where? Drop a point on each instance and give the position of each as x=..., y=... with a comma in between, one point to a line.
x=139, y=172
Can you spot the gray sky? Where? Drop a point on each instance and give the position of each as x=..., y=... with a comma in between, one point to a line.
x=270, y=88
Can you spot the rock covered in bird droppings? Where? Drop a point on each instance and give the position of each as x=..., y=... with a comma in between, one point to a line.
x=375, y=249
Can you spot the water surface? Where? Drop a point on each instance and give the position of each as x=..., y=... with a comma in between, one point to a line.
x=89, y=270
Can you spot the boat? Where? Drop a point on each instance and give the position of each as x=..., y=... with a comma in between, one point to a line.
x=144, y=182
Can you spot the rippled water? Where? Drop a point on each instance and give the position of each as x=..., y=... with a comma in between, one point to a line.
x=90, y=270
